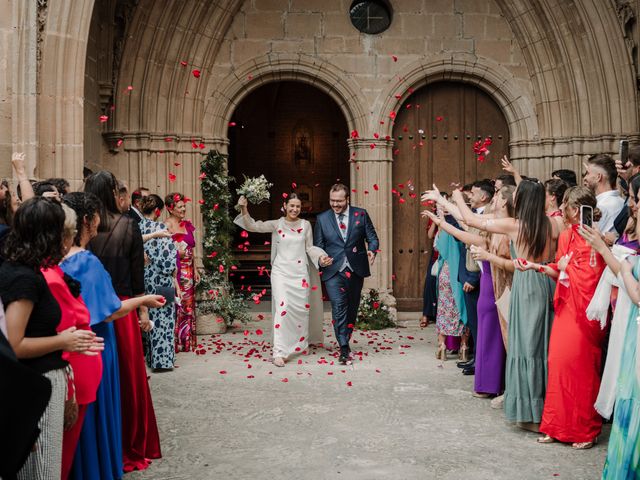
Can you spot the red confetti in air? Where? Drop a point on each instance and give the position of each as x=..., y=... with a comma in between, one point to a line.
x=349, y=384
x=244, y=234
x=294, y=185
x=376, y=136
x=372, y=146
x=354, y=134
x=196, y=73
x=392, y=114
x=222, y=372
x=306, y=305
x=277, y=325
x=119, y=142
x=375, y=187
x=283, y=313
x=202, y=176
x=103, y=118
x=284, y=380
x=221, y=268
x=172, y=177
x=183, y=63
x=439, y=119
x=285, y=195
x=394, y=58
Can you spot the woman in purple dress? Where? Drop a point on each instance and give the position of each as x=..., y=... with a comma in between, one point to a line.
x=184, y=239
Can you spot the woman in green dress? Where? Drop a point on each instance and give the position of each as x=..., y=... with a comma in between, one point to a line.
x=531, y=303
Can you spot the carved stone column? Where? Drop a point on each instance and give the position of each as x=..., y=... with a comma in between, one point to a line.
x=28, y=17
x=371, y=168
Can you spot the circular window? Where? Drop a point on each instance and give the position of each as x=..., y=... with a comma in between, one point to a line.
x=373, y=16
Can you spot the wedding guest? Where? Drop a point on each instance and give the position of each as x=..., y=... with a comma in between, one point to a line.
x=32, y=315
x=294, y=275
x=182, y=231
x=46, y=190
x=24, y=391
x=99, y=451
x=122, y=198
x=159, y=277
x=601, y=178
x=430, y=291
x=568, y=176
x=451, y=316
x=623, y=460
x=575, y=345
x=86, y=369
x=136, y=197
x=61, y=184
x=118, y=245
x=530, y=311
x=504, y=180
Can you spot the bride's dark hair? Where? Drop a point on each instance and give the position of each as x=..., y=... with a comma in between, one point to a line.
x=292, y=196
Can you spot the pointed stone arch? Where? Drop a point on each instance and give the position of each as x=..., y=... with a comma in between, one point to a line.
x=270, y=68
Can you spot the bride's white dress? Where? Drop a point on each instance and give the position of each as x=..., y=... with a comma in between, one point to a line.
x=295, y=283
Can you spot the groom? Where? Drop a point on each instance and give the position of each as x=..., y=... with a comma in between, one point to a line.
x=341, y=232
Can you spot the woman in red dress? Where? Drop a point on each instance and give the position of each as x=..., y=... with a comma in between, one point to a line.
x=575, y=346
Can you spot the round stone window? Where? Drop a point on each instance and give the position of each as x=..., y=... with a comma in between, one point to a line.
x=372, y=16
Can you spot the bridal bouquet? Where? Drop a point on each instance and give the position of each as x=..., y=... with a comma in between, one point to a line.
x=256, y=190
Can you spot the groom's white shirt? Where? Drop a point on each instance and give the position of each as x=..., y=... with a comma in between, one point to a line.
x=345, y=220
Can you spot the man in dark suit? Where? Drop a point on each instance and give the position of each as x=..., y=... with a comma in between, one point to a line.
x=134, y=208
x=342, y=232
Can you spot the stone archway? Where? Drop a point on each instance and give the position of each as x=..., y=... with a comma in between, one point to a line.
x=296, y=135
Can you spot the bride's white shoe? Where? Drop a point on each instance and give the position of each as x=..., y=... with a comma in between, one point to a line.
x=278, y=362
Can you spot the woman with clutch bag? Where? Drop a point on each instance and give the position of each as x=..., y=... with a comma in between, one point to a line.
x=295, y=282
x=159, y=278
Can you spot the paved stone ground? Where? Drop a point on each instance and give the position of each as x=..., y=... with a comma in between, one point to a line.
x=397, y=413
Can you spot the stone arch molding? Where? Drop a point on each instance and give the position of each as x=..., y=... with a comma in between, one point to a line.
x=482, y=72
x=273, y=68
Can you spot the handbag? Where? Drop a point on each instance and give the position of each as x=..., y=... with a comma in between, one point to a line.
x=469, y=263
x=70, y=403
x=169, y=294
x=503, y=303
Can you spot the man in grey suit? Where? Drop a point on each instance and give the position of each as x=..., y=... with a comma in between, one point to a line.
x=342, y=232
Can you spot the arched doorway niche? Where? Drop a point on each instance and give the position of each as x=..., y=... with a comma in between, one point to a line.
x=296, y=135
x=434, y=133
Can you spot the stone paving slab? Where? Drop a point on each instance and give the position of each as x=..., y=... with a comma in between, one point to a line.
x=397, y=413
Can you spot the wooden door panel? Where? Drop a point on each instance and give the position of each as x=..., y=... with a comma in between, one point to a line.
x=452, y=117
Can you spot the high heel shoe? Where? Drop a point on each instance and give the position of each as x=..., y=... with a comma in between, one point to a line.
x=463, y=353
x=441, y=353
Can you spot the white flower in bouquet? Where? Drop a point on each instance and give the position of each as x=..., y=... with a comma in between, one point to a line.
x=256, y=190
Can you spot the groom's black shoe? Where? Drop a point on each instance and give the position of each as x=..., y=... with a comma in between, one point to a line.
x=344, y=355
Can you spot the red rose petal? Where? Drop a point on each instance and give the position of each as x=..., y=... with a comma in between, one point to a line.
x=172, y=177
x=196, y=73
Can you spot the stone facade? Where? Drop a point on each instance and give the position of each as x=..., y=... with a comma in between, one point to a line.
x=564, y=73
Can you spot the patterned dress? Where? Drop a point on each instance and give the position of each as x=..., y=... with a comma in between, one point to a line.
x=161, y=253
x=186, y=319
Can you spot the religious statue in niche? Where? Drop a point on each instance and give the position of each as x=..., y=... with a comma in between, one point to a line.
x=302, y=145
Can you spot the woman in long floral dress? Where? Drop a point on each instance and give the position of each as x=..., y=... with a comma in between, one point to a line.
x=159, y=278
x=451, y=313
x=183, y=236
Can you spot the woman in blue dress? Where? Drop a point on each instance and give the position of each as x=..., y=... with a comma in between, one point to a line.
x=159, y=273
x=99, y=452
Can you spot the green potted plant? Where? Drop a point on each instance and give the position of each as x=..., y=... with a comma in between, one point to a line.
x=218, y=304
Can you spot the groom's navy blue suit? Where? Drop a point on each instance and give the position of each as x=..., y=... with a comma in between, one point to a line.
x=344, y=282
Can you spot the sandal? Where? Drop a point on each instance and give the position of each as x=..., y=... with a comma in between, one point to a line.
x=546, y=439
x=583, y=445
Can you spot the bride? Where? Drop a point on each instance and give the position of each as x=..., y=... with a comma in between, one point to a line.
x=295, y=282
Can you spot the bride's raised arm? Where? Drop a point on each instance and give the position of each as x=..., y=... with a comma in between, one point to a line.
x=245, y=221
x=507, y=226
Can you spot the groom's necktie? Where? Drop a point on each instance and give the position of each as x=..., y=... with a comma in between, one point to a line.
x=343, y=227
